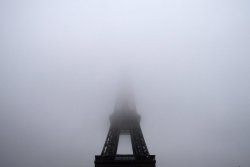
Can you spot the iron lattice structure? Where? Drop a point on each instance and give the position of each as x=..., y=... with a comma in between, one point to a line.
x=125, y=120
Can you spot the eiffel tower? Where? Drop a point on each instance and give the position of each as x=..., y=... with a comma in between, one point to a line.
x=125, y=120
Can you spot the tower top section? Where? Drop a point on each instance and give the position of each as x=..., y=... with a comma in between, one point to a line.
x=125, y=109
x=125, y=101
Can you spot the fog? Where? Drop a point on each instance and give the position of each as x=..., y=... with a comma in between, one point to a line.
x=61, y=64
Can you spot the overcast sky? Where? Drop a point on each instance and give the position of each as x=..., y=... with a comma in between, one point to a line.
x=61, y=63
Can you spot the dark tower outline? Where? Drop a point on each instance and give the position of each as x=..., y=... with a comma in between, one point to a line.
x=125, y=120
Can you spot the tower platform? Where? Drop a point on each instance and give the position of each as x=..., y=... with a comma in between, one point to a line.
x=124, y=160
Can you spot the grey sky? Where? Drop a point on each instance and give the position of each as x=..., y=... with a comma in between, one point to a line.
x=61, y=62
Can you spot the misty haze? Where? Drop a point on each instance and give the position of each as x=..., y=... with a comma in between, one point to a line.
x=63, y=62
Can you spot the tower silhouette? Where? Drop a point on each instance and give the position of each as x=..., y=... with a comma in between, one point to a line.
x=125, y=120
